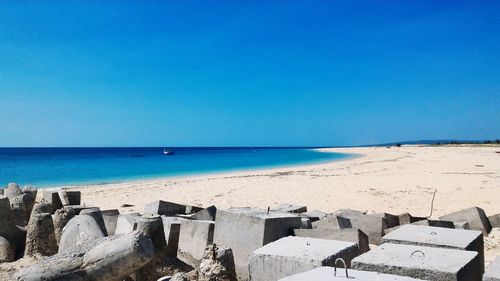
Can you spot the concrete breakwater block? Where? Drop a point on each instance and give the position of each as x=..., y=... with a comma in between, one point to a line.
x=126, y=223
x=194, y=237
x=494, y=220
x=78, y=231
x=289, y=208
x=327, y=273
x=475, y=216
x=332, y=223
x=169, y=208
x=371, y=224
x=292, y=255
x=314, y=215
x=348, y=235
x=207, y=214
x=53, y=197
x=469, y=240
x=493, y=272
x=407, y=218
x=172, y=229
x=247, y=229
x=110, y=217
x=426, y=263
x=110, y=259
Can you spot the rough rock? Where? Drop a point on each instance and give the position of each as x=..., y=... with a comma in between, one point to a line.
x=61, y=218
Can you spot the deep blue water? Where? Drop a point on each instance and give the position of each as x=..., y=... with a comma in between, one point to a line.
x=43, y=167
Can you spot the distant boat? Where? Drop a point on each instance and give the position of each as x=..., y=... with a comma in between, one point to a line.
x=168, y=152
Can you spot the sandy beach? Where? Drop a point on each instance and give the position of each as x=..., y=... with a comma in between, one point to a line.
x=379, y=179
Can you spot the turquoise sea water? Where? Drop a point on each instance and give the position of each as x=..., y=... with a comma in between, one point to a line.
x=45, y=167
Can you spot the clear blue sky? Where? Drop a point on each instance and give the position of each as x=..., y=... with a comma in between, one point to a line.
x=244, y=73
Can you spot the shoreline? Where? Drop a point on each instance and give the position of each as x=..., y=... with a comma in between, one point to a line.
x=397, y=180
x=345, y=157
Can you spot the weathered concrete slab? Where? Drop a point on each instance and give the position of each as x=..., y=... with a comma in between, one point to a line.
x=245, y=230
x=493, y=272
x=79, y=208
x=426, y=263
x=327, y=273
x=40, y=238
x=110, y=218
x=468, y=240
x=126, y=223
x=195, y=236
x=289, y=208
x=291, y=255
x=348, y=235
x=475, y=216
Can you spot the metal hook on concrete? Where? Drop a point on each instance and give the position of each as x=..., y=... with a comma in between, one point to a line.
x=417, y=251
x=335, y=267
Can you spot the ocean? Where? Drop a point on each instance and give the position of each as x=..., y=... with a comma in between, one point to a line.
x=48, y=167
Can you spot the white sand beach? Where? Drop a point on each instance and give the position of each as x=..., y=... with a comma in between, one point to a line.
x=395, y=180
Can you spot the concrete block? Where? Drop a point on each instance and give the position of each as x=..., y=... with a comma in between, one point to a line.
x=79, y=208
x=12, y=191
x=406, y=218
x=245, y=230
x=436, y=223
x=126, y=223
x=314, y=215
x=110, y=218
x=194, y=237
x=7, y=250
x=96, y=214
x=494, y=220
x=52, y=197
x=493, y=272
x=292, y=255
x=207, y=214
x=373, y=224
x=422, y=262
x=2, y=191
x=289, y=208
x=172, y=229
x=164, y=208
x=468, y=240
x=348, y=235
x=327, y=273
x=306, y=223
x=462, y=225
x=332, y=222
x=78, y=231
x=475, y=216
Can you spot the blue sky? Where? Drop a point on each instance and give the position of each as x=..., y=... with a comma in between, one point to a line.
x=244, y=73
